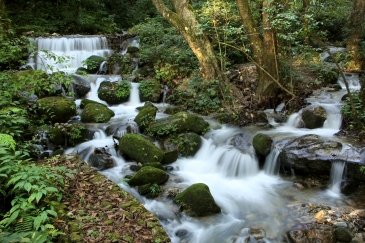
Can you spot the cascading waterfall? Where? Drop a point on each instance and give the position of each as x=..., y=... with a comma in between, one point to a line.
x=271, y=166
x=134, y=99
x=337, y=172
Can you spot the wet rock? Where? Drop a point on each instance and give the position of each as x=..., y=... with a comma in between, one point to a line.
x=93, y=64
x=181, y=122
x=187, y=144
x=242, y=142
x=258, y=233
x=150, y=90
x=196, y=200
x=262, y=144
x=149, y=190
x=114, y=92
x=81, y=86
x=66, y=134
x=314, y=117
x=148, y=175
x=146, y=116
x=358, y=213
x=101, y=159
x=27, y=97
x=170, y=157
x=140, y=149
x=342, y=234
x=82, y=71
x=311, y=233
x=320, y=216
x=96, y=113
x=84, y=102
x=57, y=109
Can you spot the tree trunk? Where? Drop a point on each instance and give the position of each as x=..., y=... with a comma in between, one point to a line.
x=183, y=19
x=356, y=27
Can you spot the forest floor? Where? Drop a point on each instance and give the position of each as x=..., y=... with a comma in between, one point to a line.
x=97, y=210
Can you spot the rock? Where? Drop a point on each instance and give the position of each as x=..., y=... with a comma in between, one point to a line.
x=340, y=224
x=154, y=165
x=149, y=190
x=314, y=117
x=262, y=144
x=26, y=97
x=119, y=130
x=82, y=71
x=148, y=175
x=81, y=86
x=171, y=110
x=196, y=200
x=146, y=116
x=170, y=157
x=150, y=90
x=101, y=159
x=57, y=109
x=187, y=144
x=84, y=102
x=96, y=113
x=320, y=216
x=311, y=233
x=114, y=92
x=66, y=134
x=328, y=74
x=181, y=122
x=358, y=213
x=140, y=149
x=93, y=64
x=342, y=234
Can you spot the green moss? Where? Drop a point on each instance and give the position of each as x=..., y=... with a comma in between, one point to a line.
x=97, y=113
x=262, y=144
x=149, y=175
x=150, y=90
x=68, y=134
x=146, y=116
x=93, y=64
x=114, y=92
x=7, y=141
x=150, y=190
x=187, y=143
x=57, y=109
x=197, y=200
x=84, y=102
x=170, y=157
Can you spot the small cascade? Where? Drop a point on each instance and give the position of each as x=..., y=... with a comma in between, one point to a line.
x=131, y=42
x=99, y=134
x=352, y=79
x=165, y=91
x=337, y=173
x=93, y=94
x=294, y=120
x=134, y=99
x=103, y=69
x=271, y=166
x=74, y=49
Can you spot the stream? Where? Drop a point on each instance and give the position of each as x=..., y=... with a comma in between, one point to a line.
x=251, y=199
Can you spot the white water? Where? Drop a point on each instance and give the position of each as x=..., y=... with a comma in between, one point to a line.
x=271, y=163
x=134, y=99
x=74, y=49
x=337, y=171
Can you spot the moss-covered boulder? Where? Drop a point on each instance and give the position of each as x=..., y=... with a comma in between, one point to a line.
x=140, y=149
x=146, y=116
x=66, y=134
x=150, y=190
x=93, y=63
x=314, y=117
x=148, y=175
x=262, y=144
x=7, y=141
x=84, y=102
x=181, y=122
x=170, y=156
x=96, y=113
x=187, y=144
x=57, y=109
x=114, y=92
x=81, y=86
x=196, y=200
x=150, y=90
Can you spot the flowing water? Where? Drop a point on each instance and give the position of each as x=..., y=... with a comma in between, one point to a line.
x=249, y=197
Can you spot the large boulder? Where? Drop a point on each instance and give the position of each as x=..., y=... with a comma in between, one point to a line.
x=149, y=175
x=96, y=113
x=150, y=90
x=93, y=63
x=81, y=86
x=313, y=232
x=84, y=102
x=196, y=200
x=114, y=92
x=101, y=159
x=57, y=109
x=314, y=117
x=146, y=115
x=262, y=144
x=181, y=122
x=66, y=134
x=140, y=149
x=187, y=144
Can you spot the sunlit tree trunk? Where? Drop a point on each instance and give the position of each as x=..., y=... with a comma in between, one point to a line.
x=264, y=47
x=183, y=19
x=356, y=26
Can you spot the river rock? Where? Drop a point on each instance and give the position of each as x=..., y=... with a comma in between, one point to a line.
x=66, y=134
x=57, y=109
x=262, y=144
x=140, y=149
x=119, y=130
x=150, y=90
x=148, y=175
x=93, y=64
x=84, y=102
x=187, y=144
x=181, y=122
x=314, y=117
x=101, y=159
x=196, y=200
x=96, y=113
x=114, y=92
x=146, y=116
x=81, y=86
x=311, y=233
x=342, y=235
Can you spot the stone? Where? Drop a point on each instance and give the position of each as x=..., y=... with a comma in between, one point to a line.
x=343, y=235
x=320, y=216
x=66, y=134
x=196, y=200
x=96, y=113
x=57, y=109
x=187, y=144
x=314, y=117
x=114, y=92
x=148, y=175
x=84, y=102
x=81, y=86
x=146, y=116
x=311, y=233
x=101, y=159
x=150, y=90
x=170, y=157
x=93, y=63
x=358, y=213
x=262, y=144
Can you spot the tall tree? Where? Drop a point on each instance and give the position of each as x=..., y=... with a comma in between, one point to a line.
x=357, y=29
x=182, y=17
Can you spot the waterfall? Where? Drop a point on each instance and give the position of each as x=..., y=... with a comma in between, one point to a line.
x=337, y=172
x=294, y=120
x=67, y=53
x=134, y=99
x=271, y=166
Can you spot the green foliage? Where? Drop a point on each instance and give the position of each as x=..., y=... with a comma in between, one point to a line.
x=123, y=89
x=150, y=90
x=354, y=120
x=7, y=141
x=13, y=121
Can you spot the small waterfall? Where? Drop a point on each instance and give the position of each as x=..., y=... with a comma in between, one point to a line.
x=337, y=172
x=294, y=120
x=133, y=42
x=74, y=49
x=103, y=69
x=271, y=166
x=352, y=79
x=99, y=134
x=165, y=91
x=334, y=117
x=134, y=99
x=93, y=94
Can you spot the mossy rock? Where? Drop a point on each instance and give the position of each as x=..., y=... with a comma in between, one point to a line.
x=181, y=122
x=187, y=143
x=57, y=109
x=68, y=134
x=196, y=200
x=84, y=102
x=7, y=141
x=171, y=110
x=262, y=144
x=93, y=63
x=328, y=75
x=149, y=190
x=314, y=117
x=140, y=149
x=114, y=92
x=170, y=156
x=146, y=116
x=150, y=90
x=96, y=113
x=148, y=175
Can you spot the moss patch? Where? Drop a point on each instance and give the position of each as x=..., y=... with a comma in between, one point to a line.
x=262, y=144
x=57, y=109
x=149, y=175
x=114, y=92
x=146, y=116
x=97, y=113
x=150, y=90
